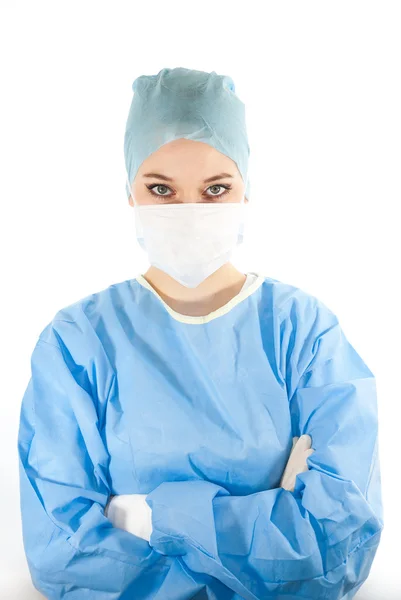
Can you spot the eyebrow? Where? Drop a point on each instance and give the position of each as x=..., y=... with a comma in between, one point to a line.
x=165, y=178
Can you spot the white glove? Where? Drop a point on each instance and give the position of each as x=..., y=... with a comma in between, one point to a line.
x=132, y=513
x=301, y=449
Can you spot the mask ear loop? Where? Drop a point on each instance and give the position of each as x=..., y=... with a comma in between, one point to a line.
x=242, y=224
x=129, y=189
x=138, y=226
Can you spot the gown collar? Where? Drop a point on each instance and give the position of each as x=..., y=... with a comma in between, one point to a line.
x=200, y=319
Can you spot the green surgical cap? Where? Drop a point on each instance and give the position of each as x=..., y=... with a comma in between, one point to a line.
x=184, y=103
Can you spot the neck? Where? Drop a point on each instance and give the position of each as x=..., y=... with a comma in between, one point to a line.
x=226, y=282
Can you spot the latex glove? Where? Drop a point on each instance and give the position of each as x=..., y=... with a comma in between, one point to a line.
x=301, y=449
x=132, y=513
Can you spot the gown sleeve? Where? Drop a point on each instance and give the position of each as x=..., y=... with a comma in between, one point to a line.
x=72, y=549
x=318, y=541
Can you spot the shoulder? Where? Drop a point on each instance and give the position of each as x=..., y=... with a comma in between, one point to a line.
x=307, y=331
x=295, y=304
x=77, y=322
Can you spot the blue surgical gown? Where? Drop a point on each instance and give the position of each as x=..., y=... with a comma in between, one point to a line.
x=129, y=396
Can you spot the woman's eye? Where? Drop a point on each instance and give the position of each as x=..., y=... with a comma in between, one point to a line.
x=219, y=187
x=158, y=185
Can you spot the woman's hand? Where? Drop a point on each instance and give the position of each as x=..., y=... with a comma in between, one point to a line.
x=301, y=449
x=132, y=513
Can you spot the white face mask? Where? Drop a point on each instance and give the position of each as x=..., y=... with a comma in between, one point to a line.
x=189, y=241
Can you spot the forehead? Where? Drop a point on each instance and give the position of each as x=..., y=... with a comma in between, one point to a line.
x=186, y=155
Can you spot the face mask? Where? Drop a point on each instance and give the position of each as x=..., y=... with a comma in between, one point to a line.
x=189, y=241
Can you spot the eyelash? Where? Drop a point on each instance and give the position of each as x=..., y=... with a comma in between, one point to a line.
x=226, y=187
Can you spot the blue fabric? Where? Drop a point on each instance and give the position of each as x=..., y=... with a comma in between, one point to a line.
x=185, y=103
x=199, y=413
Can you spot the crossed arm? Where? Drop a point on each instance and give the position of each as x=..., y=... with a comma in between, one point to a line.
x=132, y=513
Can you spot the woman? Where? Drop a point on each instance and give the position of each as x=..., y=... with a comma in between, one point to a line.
x=161, y=412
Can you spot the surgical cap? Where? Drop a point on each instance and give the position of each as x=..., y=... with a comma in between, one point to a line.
x=185, y=103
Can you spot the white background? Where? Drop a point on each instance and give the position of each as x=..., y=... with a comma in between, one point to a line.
x=321, y=84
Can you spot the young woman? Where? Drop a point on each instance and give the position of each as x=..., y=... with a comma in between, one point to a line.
x=157, y=428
